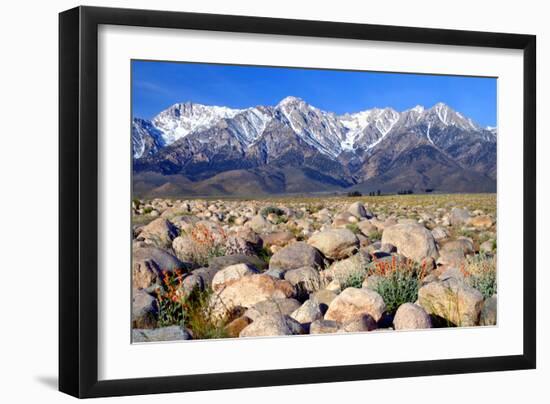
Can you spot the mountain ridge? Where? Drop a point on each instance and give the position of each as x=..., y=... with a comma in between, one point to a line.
x=200, y=142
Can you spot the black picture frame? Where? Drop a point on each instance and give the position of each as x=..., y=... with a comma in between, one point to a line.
x=78, y=200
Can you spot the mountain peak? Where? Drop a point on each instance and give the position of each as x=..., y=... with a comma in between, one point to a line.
x=291, y=100
x=418, y=109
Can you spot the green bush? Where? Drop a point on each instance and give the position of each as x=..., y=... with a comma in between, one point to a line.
x=481, y=274
x=272, y=209
x=190, y=310
x=264, y=254
x=399, y=281
x=281, y=219
x=354, y=280
x=397, y=288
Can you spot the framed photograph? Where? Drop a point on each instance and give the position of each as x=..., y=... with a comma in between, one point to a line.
x=251, y=201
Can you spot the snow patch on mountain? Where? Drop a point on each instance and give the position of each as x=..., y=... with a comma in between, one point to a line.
x=442, y=112
x=428, y=133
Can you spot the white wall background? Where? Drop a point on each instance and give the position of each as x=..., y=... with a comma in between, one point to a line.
x=28, y=173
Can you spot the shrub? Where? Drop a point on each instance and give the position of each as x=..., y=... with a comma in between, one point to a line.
x=354, y=280
x=353, y=194
x=399, y=281
x=398, y=288
x=481, y=273
x=272, y=209
x=191, y=310
x=264, y=254
x=170, y=300
x=281, y=219
x=147, y=210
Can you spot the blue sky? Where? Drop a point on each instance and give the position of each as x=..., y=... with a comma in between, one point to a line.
x=158, y=85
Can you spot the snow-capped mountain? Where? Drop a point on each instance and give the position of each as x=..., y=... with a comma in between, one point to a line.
x=200, y=142
x=182, y=119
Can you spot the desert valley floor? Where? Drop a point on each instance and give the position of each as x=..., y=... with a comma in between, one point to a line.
x=233, y=268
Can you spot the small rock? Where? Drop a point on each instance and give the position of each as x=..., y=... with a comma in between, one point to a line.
x=459, y=217
x=462, y=244
x=489, y=312
x=453, y=301
x=353, y=303
x=235, y=327
x=259, y=224
x=296, y=255
x=412, y=240
x=160, y=232
x=411, y=316
x=335, y=243
x=307, y=312
x=206, y=274
x=358, y=210
x=185, y=248
x=362, y=324
x=172, y=333
x=272, y=325
x=323, y=327
x=238, y=245
x=217, y=263
x=276, y=273
x=192, y=282
x=279, y=239
x=247, y=291
x=230, y=274
x=439, y=233
x=144, y=310
x=342, y=270
x=272, y=306
x=305, y=280
x=366, y=227
x=481, y=222
x=148, y=263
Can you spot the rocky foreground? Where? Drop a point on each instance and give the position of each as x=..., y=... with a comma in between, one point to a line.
x=226, y=269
